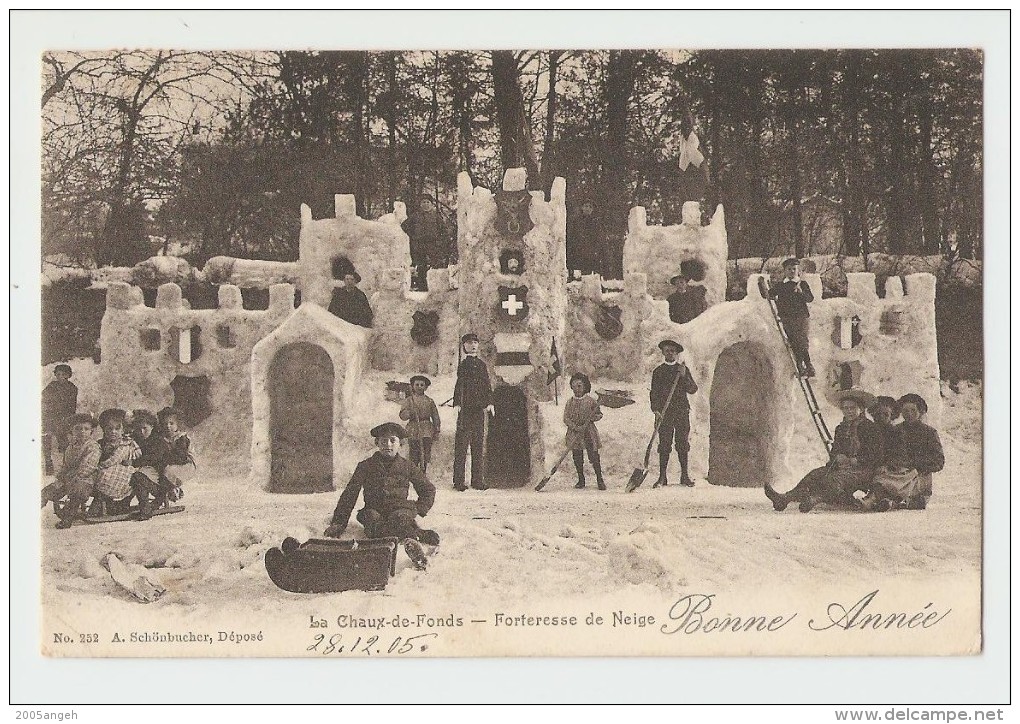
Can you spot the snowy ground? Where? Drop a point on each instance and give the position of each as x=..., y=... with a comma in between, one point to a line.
x=519, y=550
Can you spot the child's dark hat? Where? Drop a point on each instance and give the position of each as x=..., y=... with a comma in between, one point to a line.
x=389, y=428
x=63, y=368
x=790, y=262
x=421, y=378
x=469, y=337
x=917, y=400
x=671, y=343
x=692, y=269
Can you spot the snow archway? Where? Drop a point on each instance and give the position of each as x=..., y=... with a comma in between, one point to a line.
x=303, y=378
x=744, y=404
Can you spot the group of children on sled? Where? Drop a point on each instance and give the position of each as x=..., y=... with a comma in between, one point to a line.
x=131, y=461
x=892, y=464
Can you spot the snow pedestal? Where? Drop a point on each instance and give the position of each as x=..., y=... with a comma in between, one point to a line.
x=512, y=294
x=194, y=360
x=303, y=376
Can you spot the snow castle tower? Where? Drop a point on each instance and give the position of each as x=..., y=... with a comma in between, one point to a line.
x=512, y=294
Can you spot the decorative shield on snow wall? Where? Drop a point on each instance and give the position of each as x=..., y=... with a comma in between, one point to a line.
x=847, y=333
x=513, y=303
x=425, y=327
x=513, y=217
x=607, y=322
x=513, y=359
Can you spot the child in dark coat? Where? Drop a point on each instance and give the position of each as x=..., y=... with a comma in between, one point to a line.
x=792, y=296
x=905, y=479
x=384, y=480
x=59, y=402
x=672, y=413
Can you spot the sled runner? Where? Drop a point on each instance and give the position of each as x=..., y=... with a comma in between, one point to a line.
x=327, y=565
x=129, y=514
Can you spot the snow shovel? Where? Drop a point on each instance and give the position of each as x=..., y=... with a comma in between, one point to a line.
x=545, y=481
x=638, y=476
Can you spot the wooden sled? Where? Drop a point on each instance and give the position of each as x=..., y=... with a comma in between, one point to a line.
x=130, y=514
x=327, y=565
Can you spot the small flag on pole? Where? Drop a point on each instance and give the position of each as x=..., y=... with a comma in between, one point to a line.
x=557, y=369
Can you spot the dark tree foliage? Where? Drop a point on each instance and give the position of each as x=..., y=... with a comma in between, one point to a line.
x=811, y=151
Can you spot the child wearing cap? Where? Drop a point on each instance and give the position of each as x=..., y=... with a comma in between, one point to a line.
x=672, y=413
x=59, y=402
x=384, y=480
x=77, y=477
x=580, y=415
x=792, y=296
x=423, y=423
x=473, y=395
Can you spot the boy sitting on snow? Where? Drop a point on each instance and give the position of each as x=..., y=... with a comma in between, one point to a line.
x=77, y=477
x=385, y=479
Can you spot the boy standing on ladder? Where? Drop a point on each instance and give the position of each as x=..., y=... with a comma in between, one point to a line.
x=792, y=296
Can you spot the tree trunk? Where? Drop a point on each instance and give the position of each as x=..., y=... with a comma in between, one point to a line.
x=620, y=79
x=391, y=126
x=855, y=230
x=516, y=146
x=548, y=148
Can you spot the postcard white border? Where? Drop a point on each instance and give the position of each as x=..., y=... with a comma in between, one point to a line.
x=34, y=679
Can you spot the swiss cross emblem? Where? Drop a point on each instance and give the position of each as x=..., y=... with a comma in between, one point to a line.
x=513, y=303
x=513, y=212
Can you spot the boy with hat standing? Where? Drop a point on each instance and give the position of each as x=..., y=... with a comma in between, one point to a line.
x=687, y=301
x=423, y=421
x=671, y=384
x=792, y=296
x=384, y=480
x=473, y=395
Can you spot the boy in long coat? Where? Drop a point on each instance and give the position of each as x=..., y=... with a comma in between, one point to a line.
x=675, y=425
x=473, y=395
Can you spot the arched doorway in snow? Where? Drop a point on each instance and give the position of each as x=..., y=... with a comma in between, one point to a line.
x=301, y=419
x=507, y=445
x=743, y=441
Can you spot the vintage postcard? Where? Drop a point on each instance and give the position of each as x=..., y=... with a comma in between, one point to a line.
x=653, y=352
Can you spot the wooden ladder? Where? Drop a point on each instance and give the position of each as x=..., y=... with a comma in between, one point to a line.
x=805, y=383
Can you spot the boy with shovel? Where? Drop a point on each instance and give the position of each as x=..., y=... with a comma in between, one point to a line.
x=671, y=383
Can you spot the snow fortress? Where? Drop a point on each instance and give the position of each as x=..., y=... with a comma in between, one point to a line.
x=280, y=381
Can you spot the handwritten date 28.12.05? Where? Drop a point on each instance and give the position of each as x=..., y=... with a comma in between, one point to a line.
x=371, y=645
